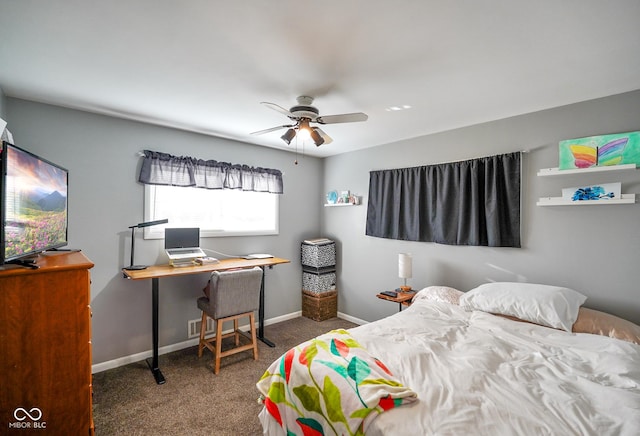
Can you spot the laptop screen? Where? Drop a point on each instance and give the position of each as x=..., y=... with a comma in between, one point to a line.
x=182, y=238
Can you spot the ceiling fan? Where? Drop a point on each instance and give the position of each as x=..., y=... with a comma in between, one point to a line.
x=303, y=114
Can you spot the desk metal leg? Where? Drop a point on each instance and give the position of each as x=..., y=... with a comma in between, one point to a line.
x=261, y=314
x=153, y=365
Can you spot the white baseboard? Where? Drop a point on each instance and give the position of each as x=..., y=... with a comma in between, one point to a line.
x=352, y=319
x=125, y=360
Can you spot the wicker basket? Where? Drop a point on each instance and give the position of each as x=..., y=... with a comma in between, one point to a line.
x=319, y=306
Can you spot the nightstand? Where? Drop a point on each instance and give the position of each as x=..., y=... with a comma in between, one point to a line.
x=402, y=298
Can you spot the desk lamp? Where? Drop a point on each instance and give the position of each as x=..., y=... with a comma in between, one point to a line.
x=131, y=266
x=405, y=269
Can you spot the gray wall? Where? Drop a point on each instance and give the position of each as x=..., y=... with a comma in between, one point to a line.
x=104, y=199
x=3, y=104
x=593, y=249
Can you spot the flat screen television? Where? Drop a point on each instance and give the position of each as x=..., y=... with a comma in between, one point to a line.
x=33, y=205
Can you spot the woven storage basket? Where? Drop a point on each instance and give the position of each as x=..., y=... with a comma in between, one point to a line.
x=319, y=306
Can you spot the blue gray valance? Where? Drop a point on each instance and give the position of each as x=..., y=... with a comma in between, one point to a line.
x=165, y=169
x=472, y=202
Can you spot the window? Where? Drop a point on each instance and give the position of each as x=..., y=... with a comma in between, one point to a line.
x=217, y=212
x=472, y=202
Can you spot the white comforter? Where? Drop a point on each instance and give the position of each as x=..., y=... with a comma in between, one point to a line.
x=480, y=374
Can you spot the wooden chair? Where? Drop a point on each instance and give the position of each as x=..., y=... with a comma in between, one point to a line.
x=230, y=295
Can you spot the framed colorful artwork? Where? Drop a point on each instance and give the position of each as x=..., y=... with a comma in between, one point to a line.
x=604, y=191
x=603, y=150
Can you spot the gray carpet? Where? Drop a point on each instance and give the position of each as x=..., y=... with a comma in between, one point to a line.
x=194, y=401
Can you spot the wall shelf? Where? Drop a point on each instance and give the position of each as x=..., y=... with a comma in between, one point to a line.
x=559, y=201
x=558, y=172
x=339, y=204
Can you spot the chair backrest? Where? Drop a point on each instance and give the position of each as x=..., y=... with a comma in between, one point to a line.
x=234, y=292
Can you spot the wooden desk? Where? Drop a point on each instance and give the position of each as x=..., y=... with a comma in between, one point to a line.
x=156, y=272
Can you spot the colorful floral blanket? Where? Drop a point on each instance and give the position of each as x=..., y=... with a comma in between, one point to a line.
x=329, y=385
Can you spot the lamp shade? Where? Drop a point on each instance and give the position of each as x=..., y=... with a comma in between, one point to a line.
x=317, y=137
x=405, y=269
x=288, y=136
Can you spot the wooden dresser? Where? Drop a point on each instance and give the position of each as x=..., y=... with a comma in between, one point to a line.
x=45, y=346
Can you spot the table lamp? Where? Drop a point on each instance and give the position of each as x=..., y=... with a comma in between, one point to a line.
x=405, y=269
x=131, y=266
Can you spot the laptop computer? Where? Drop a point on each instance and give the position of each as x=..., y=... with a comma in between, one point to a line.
x=182, y=244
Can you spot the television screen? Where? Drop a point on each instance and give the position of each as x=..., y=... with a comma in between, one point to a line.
x=34, y=204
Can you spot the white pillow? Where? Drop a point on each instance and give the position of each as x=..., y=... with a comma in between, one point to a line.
x=441, y=294
x=550, y=306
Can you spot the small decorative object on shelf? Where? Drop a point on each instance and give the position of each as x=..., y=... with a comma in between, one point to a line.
x=345, y=198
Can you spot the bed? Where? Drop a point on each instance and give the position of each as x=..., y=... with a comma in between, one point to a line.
x=448, y=366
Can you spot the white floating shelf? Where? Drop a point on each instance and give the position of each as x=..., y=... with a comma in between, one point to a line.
x=559, y=201
x=339, y=204
x=559, y=172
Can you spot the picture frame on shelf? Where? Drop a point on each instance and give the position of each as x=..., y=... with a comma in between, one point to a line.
x=599, y=151
x=602, y=191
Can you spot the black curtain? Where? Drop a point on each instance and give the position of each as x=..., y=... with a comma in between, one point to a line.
x=165, y=169
x=473, y=202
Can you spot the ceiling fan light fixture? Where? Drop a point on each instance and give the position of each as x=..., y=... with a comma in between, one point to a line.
x=288, y=136
x=304, y=130
x=317, y=138
x=303, y=134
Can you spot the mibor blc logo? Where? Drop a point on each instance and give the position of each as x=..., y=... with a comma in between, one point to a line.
x=27, y=418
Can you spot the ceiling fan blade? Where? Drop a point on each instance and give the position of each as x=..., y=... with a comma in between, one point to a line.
x=276, y=108
x=327, y=138
x=272, y=129
x=342, y=118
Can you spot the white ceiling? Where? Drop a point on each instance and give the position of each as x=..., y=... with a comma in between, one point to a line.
x=205, y=66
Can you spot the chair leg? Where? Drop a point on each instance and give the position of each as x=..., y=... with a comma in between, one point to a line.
x=254, y=339
x=203, y=329
x=216, y=368
x=235, y=331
